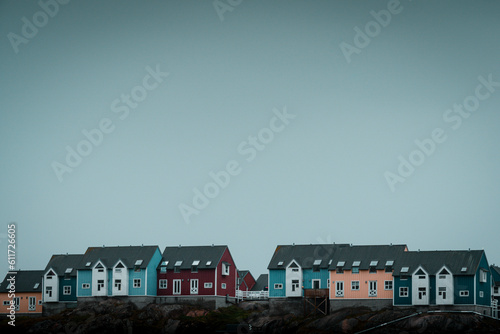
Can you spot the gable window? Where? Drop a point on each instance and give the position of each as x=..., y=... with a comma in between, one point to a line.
x=403, y=291
x=85, y=286
x=483, y=278
x=137, y=282
x=100, y=268
x=67, y=290
x=208, y=285
x=464, y=293
x=163, y=284
x=119, y=267
x=278, y=286
x=225, y=268
x=354, y=285
x=387, y=285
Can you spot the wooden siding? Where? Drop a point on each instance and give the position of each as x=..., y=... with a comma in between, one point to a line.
x=23, y=302
x=151, y=280
x=132, y=274
x=323, y=275
x=71, y=282
x=464, y=283
x=364, y=278
x=277, y=276
x=230, y=279
x=485, y=287
x=84, y=276
x=398, y=283
x=203, y=276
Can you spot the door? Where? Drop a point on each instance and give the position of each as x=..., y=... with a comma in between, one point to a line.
x=32, y=304
x=295, y=285
x=422, y=293
x=177, y=286
x=316, y=284
x=339, y=289
x=194, y=286
x=372, y=289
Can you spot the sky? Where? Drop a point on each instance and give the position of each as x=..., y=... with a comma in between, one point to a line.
x=248, y=124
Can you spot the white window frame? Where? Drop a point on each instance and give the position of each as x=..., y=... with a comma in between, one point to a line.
x=483, y=277
x=208, y=285
x=278, y=286
x=85, y=286
x=225, y=269
x=162, y=283
x=391, y=285
x=355, y=285
x=67, y=290
x=481, y=294
x=404, y=291
x=463, y=293
x=137, y=283
x=223, y=286
x=316, y=280
x=6, y=302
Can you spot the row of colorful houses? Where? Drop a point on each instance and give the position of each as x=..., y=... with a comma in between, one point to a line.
x=369, y=275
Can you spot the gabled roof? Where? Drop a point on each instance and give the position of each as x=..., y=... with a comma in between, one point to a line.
x=495, y=273
x=367, y=256
x=208, y=256
x=26, y=280
x=109, y=256
x=243, y=273
x=304, y=255
x=458, y=262
x=260, y=283
x=62, y=262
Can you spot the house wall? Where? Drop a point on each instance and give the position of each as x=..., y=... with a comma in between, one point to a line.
x=203, y=276
x=140, y=274
x=230, y=279
x=84, y=276
x=464, y=283
x=398, y=283
x=54, y=283
x=484, y=287
x=323, y=275
x=23, y=302
x=67, y=282
x=364, y=277
x=277, y=276
x=151, y=279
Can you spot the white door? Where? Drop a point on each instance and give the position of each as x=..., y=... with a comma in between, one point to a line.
x=194, y=286
x=339, y=289
x=32, y=304
x=372, y=289
x=177, y=286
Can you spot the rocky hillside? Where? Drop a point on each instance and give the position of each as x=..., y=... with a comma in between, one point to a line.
x=114, y=316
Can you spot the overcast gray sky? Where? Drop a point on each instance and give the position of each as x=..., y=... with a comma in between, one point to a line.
x=334, y=121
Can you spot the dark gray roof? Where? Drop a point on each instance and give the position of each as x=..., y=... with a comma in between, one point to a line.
x=25, y=281
x=304, y=255
x=260, y=283
x=433, y=261
x=366, y=254
x=60, y=262
x=110, y=256
x=495, y=271
x=189, y=254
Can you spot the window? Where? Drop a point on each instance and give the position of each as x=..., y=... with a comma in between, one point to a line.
x=442, y=276
x=405, y=269
x=163, y=269
x=316, y=265
x=66, y=290
x=328, y=283
x=388, y=266
x=354, y=285
x=373, y=267
x=464, y=293
x=31, y=304
x=163, y=284
x=100, y=284
x=356, y=263
x=403, y=291
x=225, y=268
x=278, y=286
x=339, y=291
x=6, y=302
x=495, y=289
x=49, y=277
x=464, y=269
x=40, y=302
x=85, y=286
x=48, y=291
x=404, y=277
x=421, y=277
x=481, y=294
x=372, y=289
x=355, y=270
x=208, y=285
x=194, y=266
x=36, y=286
x=137, y=282
x=483, y=278
x=387, y=285
x=177, y=286
x=223, y=286
x=118, y=284
x=88, y=264
x=177, y=266
x=280, y=263
x=208, y=263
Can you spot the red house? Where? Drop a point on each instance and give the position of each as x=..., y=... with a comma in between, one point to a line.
x=200, y=274
x=245, y=280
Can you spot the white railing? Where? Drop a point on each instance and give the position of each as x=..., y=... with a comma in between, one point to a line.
x=240, y=294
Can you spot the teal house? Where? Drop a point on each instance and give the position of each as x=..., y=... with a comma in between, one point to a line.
x=452, y=279
x=295, y=268
x=118, y=271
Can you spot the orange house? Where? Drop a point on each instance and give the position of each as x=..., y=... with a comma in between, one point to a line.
x=24, y=291
x=362, y=276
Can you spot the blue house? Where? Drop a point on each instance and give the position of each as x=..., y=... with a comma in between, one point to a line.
x=118, y=271
x=449, y=279
x=294, y=268
x=59, y=278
